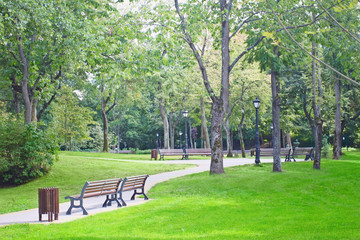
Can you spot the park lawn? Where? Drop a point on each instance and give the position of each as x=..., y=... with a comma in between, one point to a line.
x=127, y=156
x=247, y=202
x=70, y=173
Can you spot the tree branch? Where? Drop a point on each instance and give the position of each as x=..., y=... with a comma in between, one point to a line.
x=196, y=53
x=111, y=107
x=242, y=24
x=13, y=54
x=332, y=17
x=245, y=51
x=307, y=52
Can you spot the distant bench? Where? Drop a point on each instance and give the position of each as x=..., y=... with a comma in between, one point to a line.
x=123, y=151
x=110, y=188
x=300, y=151
x=198, y=151
x=171, y=152
x=269, y=152
x=181, y=152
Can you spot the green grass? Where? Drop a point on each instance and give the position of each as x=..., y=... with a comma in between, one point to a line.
x=245, y=203
x=70, y=173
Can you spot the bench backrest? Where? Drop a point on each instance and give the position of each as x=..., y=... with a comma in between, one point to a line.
x=270, y=151
x=198, y=150
x=171, y=151
x=123, y=151
x=102, y=187
x=132, y=183
x=303, y=150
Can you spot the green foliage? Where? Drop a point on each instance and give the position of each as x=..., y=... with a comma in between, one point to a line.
x=26, y=152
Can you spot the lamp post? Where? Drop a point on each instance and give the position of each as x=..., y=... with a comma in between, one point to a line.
x=157, y=141
x=257, y=144
x=180, y=133
x=186, y=114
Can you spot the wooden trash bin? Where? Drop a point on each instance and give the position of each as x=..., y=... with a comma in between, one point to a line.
x=154, y=154
x=49, y=203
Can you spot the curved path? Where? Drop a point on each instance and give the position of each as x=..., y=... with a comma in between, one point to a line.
x=94, y=205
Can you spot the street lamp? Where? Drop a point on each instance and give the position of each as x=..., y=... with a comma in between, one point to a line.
x=186, y=114
x=257, y=144
x=180, y=133
x=157, y=141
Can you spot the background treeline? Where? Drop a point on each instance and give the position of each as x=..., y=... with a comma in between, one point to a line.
x=100, y=75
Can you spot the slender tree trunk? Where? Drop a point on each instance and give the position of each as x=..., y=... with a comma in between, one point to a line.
x=172, y=130
x=288, y=140
x=216, y=166
x=15, y=95
x=204, y=129
x=105, y=125
x=34, y=110
x=118, y=132
x=228, y=138
x=166, y=126
x=25, y=83
x=337, y=130
x=276, y=134
x=190, y=135
x=316, y=105
x=242, y=145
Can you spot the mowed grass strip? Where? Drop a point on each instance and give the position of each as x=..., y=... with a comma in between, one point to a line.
x=247, y=202
x=70, y=173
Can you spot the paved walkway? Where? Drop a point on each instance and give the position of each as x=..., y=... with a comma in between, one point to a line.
x=94, y=205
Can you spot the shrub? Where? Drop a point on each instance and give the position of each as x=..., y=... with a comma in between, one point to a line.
x=26, y=152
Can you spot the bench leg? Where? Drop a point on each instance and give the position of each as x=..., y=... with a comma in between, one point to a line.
x=136, y=193
x=133, y=196
x=110, y=199
x=121, y=199
x=68, y=212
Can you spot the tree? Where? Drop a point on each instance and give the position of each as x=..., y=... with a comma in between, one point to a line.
x=70, y=121
x=43, y=39
x=213, y=15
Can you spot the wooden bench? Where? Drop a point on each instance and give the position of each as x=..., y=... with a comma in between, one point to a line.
x=300, y=151
x=133, y=183
x=108, y=187
x=198, y=151
x=123, y=151
x=171, y=152
x=269, y=152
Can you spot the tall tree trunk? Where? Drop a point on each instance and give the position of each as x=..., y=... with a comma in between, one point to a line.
x=242, y=145
x=172, y=131
x=316, y=106
x=276, y=99
x=190, y=135
x=288, y=140
x=337, y=130
x=25, y=89
x=34, y=110
x=228, y=137
x=118, y=132
x=15, y=94
x=216, y=166
x=105, y=125
x=166, y=125
x=204, y=129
